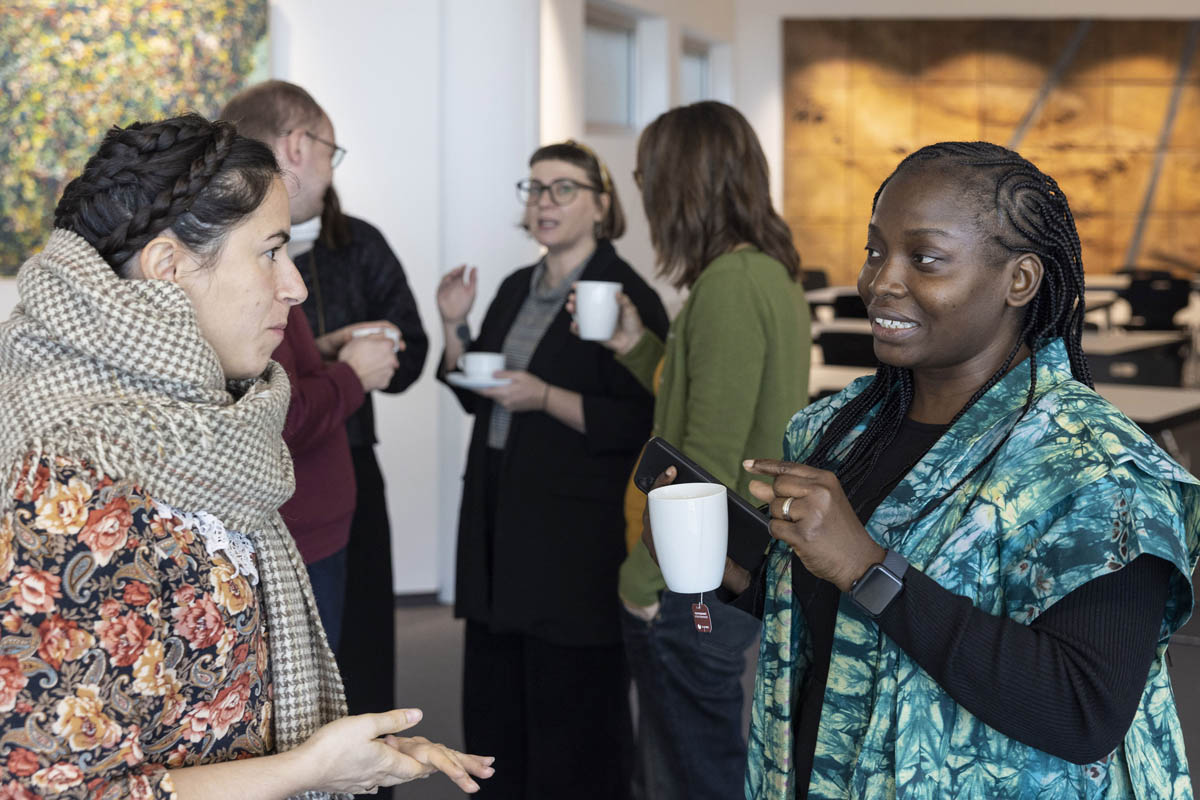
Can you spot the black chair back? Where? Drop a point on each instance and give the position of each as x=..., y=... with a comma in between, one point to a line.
x=849, y=306
x=1153, y=301
x=848, y=348
x=813, y=278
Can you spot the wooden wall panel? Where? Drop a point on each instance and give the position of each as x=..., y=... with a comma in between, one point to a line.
x=860, y=94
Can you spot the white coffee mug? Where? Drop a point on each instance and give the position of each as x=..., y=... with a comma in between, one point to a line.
x=480, y=365
x=596, y=309
x=690, y=527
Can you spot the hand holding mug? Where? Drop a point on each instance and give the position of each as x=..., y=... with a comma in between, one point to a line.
x=629, y=327
x=334, y=341
x=372, y=359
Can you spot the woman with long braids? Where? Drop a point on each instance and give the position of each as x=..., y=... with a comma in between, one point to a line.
x=979, y=560
x=160, y=639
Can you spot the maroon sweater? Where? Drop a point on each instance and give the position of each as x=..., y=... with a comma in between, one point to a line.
x=324, y=396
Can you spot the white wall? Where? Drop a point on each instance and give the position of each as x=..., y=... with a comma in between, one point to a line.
x=436, y=101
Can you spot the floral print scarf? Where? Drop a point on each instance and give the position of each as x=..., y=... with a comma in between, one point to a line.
x=1078, y=490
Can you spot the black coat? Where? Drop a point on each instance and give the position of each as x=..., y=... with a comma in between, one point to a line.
x=558, y=536
x=360, y=282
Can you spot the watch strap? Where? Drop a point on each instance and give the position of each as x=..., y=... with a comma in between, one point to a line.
x=895, y=563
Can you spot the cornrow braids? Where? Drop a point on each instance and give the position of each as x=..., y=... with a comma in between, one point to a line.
x=193, y=177
x=1024, y=211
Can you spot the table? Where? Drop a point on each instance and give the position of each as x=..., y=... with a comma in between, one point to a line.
x=1156, y=409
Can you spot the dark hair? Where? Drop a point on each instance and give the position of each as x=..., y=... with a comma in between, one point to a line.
x=1021, y=210
x=582, y=156
x=705, y=189
x=268, y=110
x=335, y=227
x=196, y=178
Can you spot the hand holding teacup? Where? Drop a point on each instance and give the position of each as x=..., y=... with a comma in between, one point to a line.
x=691, y=547
x=811, y=514
x=592, y=313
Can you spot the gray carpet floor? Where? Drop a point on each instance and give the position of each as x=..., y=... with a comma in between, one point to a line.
x=429, y=645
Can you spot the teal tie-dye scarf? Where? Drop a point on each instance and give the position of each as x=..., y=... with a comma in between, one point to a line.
x=1076, y=492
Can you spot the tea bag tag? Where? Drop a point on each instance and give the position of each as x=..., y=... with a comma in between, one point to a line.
x=701, y=616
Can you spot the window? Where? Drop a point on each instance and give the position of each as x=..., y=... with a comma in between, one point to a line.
x=608, y=70
x=694, y=73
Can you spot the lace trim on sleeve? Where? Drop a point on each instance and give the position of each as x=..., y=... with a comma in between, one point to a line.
x=236, y=546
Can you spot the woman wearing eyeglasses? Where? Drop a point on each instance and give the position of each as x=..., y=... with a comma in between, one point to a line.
x=541, y=526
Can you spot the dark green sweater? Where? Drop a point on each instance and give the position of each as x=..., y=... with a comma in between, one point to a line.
x=735, y=371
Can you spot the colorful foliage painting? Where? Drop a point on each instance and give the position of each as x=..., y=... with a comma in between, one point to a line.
x=71, y=70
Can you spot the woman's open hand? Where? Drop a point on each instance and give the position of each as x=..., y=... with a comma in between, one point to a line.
x=820, y=526
x=358, y=754
x=629, y=324
x=456, y=293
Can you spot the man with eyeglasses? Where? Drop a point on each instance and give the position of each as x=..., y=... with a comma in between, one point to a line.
x=358, y=293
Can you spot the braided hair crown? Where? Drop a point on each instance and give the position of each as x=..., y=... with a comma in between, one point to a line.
x=186, y=174
x=1021, y=210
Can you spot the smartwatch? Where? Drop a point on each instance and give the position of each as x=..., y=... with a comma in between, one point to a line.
x=880, y=584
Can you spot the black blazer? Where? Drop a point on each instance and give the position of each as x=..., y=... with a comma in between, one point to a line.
x=558, y=536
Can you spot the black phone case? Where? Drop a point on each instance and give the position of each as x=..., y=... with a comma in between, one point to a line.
x=749, y=527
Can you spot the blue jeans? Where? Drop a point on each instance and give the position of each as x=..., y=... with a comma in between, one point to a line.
x=328, y=579
x=690, y=744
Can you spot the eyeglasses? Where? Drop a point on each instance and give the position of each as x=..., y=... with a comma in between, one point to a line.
x=562, y=191
x=338, y=153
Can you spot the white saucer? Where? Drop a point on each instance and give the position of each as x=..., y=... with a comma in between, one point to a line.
x=463, y=382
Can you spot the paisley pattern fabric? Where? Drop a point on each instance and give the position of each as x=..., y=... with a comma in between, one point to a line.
x=1077, y=491
x=128, y=647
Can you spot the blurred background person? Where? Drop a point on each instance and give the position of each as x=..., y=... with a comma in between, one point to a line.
x=540, y=525
x=355, y=283
x=728, y=377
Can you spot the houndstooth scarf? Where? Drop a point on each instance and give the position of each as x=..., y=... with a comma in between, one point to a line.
x=116, y=372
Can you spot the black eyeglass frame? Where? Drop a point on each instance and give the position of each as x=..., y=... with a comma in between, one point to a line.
x=535, y=197
x=339, y=152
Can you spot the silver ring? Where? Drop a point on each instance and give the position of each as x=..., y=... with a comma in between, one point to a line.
x=787, y=506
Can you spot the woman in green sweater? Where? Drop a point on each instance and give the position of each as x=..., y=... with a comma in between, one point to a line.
x=733, y=370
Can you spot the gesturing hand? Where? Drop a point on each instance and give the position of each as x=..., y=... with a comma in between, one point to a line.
x=456, y=293
x=820, y=526
x=525, y=392
x=355, y=758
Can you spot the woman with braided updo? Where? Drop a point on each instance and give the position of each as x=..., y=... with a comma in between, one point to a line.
x=979, y=561
x=160, y=638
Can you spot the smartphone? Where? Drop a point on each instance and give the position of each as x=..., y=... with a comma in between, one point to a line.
x=749, y=527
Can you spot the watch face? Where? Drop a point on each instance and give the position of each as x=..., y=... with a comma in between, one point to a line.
x=876, y=590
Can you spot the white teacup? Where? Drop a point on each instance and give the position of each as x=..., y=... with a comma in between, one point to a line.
x=480, y=365
x=596, y=309
x=690, y=526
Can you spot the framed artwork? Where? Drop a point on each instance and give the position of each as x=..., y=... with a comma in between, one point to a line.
x=71, y=69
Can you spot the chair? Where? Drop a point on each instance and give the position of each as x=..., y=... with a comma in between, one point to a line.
x=849, y=306
x=848, y=348
x=1154, y=297
x=814, y=278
